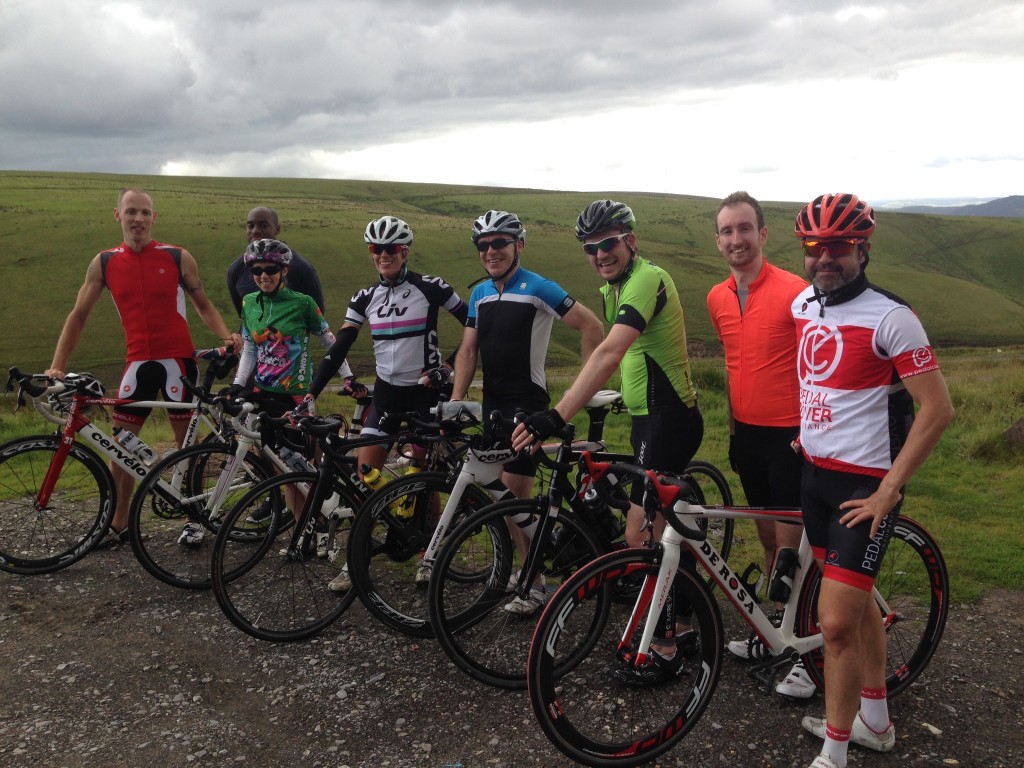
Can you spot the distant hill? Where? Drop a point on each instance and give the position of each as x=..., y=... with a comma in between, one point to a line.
x=963, y=276
x=1008, y=207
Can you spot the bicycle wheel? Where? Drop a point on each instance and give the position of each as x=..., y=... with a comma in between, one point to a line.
x=384, y=549
x=711, y=487
x=586, y=713
x=182, y=488
x=78, y=513
x=477, y=622
x=274, y=586
x=913, y=585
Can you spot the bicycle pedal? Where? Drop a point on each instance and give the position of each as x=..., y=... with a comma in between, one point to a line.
x=766, y=670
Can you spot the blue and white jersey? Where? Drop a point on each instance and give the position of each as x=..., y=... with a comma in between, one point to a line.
x=403, y=324
x=514, y=328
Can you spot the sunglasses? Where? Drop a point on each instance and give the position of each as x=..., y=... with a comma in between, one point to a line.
x=836, y=248
x=605, y=245
x=391, y=249
x=497, y=244
x=273, y=269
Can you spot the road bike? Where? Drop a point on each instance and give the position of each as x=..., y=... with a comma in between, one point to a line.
x=486, y=625
x=596, y=720
x=270, y=582
x=57, y=494
x=391, y=555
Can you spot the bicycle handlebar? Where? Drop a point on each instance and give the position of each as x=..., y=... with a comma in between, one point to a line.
x=662, y=493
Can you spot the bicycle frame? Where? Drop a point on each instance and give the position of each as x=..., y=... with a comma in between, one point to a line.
x=783, y=645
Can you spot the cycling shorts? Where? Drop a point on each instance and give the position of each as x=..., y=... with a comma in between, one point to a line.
x=145, y=379
x=277, y=404
x=524, y=463
x=665, y=441
x=395, y=399
x=769, y=469
x=850, y=555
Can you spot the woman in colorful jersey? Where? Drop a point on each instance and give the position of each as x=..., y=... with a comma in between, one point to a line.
x=402, y=310
x=277, y=323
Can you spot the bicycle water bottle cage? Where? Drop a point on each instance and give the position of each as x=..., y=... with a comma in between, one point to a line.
x=753, y=581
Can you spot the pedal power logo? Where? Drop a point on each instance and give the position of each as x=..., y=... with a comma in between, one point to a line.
x=821, y=349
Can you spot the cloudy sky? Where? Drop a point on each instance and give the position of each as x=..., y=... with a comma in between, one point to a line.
x=786, y=98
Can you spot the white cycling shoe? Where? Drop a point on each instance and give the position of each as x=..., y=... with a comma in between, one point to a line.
x=860, y=734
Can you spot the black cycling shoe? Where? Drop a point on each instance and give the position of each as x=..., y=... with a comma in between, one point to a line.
x=657, y=670
x=688, y=644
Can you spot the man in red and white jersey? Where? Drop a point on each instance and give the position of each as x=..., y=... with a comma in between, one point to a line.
x=863, y=362
x=148, y=282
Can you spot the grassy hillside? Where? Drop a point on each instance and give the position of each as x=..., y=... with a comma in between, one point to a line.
x=964, y=276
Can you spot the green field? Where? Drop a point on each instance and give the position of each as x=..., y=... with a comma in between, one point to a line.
x=964, y=276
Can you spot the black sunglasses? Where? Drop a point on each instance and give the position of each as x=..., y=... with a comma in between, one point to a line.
x=273, y=269
x=390, y=249
x=497, y=244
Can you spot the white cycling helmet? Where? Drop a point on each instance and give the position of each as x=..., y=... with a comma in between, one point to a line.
x=498, y=223
x=387, y=230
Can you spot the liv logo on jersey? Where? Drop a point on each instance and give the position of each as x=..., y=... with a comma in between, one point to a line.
x=821, y=349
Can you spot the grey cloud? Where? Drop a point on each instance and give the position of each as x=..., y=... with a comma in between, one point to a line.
x=146, y=82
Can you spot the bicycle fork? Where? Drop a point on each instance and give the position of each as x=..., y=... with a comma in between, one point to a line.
x=654, y=593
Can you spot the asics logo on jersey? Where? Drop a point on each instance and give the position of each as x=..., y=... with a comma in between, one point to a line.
x=821, y=349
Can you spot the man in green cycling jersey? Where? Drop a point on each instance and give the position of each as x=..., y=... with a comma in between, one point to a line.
x=647, y=343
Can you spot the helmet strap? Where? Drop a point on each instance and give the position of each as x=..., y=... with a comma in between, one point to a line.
x=512, y=267
x=628, y=269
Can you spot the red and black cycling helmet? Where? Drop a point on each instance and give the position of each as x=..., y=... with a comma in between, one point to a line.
x=601, y=215
x=272, y=251
x=835, y=216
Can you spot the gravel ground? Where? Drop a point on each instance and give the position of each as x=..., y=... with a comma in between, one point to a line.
x=102, y=665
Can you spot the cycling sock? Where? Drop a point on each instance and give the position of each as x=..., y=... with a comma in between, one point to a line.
x=874, y=709
x=836, y=745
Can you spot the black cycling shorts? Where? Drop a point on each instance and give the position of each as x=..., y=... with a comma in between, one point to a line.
x=850, y=554
x=769, y=468
x=666, y=441
x=392, y=399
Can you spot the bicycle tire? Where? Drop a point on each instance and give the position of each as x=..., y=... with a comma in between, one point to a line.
x=81, y=506
x=264, y=588
x=585, y=712
x=914, y=582
x=384, y=550
x=712, y=487
x=177, y=490
x=469, y=619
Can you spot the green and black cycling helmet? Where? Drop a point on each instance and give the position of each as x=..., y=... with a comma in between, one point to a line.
x=387, y=230
x=835, y=216
x=602, y=215
x=272, y=251
x=498, y=223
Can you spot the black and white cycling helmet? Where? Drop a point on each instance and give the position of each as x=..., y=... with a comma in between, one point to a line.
x=498, y=223
x=602, y=215
x=273, y=251
x=387, y=230
x=85, y=383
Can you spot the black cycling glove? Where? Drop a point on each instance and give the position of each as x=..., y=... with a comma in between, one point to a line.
x=544, y=424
